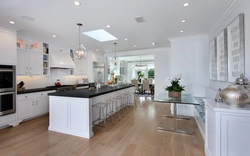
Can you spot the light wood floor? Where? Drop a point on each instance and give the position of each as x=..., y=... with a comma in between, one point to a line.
x=136, y=134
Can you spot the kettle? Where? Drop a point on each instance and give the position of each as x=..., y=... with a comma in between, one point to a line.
x=237, y=95
x=58, y=82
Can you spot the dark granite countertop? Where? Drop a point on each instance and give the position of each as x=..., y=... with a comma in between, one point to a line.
x=86, y=93
x=47, y=88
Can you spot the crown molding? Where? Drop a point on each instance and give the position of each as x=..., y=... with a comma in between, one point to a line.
x=223, y=16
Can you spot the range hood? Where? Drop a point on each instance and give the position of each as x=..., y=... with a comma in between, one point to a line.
x=61, y=60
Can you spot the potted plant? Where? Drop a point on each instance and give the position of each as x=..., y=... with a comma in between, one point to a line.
x=140, y=75
x=174, y=91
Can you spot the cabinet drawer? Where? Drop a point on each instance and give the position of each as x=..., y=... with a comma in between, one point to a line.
x=25, y=96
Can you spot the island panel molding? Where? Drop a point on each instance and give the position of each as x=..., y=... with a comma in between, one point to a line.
x=236, y=51
x=213, y=60
x=222, y=56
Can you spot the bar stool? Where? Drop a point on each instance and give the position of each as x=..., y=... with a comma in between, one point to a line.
x=103, y=115
x=118, y=99
x=128, y=97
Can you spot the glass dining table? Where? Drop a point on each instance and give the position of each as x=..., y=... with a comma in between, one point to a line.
x=186, y=99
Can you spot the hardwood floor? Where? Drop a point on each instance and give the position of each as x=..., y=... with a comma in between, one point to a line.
x=135, y=134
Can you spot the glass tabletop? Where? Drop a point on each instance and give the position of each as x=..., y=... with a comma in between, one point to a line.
x=185, y=99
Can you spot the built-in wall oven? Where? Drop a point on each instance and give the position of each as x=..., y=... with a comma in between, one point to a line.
x=7, y=89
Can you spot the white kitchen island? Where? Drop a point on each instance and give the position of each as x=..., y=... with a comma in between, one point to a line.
x=71, y=112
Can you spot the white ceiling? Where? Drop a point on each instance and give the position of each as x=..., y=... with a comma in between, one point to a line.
x=162, y=20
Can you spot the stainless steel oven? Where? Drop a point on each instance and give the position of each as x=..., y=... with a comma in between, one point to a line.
x=7, y=89
x=7, y=103
x=7, y=78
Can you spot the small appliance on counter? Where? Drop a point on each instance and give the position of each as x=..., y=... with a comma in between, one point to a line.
x=20, y=86
x=58, y=82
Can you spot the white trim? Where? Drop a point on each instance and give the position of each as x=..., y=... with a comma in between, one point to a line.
x=136, y=52
x=187, y=37
x=224, y=15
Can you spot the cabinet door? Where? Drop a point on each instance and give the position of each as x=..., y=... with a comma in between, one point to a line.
x=85, y=67
x=80, y=68
x=42, y=104
x=7, y=47
x=22, y=63
x=35, y=63
x=25, y=109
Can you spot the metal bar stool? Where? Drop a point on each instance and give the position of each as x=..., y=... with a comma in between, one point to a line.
x=118, y=99
x=128, y=97
x=105, y=111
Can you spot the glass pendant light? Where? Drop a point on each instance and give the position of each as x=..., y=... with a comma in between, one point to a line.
x=140, y=67
x=80, y=51
x=115, y=59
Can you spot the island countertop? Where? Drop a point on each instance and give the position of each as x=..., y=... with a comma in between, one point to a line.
x=86, y=93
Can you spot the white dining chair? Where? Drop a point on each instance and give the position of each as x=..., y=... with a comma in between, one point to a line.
x=145, y=86
x=135, y=83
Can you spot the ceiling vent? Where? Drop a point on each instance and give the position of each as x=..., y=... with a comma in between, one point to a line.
x=140, y=19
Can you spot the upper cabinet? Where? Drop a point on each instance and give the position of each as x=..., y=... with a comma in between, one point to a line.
x=7, y=47
x=81, y=67
x=32, y=57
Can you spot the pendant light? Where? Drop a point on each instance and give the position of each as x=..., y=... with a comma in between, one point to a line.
x=140, y=67
x=80, y=51
x=115, y=59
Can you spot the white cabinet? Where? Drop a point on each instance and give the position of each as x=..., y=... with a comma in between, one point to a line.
x=32, y=105
x=81, y=67
x=29, y=58
x=29, y=63
x=227, y=130
x=7, y=47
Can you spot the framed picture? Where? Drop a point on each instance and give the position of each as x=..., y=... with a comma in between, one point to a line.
x=222, y=60
x=236, y=51
x=213, y=60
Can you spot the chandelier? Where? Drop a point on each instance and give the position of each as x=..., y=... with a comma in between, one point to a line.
x=80, y=51
x=115, y=59
x=140, y=67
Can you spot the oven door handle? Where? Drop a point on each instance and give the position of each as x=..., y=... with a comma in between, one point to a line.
x=7, y=70
x=6, y=93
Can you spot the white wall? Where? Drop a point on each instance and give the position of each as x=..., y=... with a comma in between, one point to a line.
x=242, y=7
x=190, y=58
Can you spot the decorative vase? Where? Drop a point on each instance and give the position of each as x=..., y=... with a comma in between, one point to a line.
x=238, y=94
x=174, y=94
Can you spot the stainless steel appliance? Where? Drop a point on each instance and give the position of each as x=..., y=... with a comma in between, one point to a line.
x=7, y=89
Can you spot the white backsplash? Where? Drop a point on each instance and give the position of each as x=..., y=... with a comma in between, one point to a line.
x=43, y=81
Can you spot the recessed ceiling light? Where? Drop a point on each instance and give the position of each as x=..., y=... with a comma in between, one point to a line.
x=54, y=36
x=153, y=43
x=183, y=21
x=126, y=39
x=134, y=45
x=181, y=31
x=12, y=22
x=77, y=3
x=100, y=35
x=108, y=26
x=186, y=4
x=97, y=49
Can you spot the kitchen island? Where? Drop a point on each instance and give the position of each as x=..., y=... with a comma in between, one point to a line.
x=71, y=112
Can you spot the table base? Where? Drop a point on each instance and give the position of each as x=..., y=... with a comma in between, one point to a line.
x=176, y=130
x=177, y=116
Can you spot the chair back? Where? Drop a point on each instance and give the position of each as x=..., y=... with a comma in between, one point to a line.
x=135, y=83
x=145, y=85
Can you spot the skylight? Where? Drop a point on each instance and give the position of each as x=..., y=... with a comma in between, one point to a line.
x=100, y=35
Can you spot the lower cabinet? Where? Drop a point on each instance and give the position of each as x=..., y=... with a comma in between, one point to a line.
x=227, y=130
x=32, y=105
